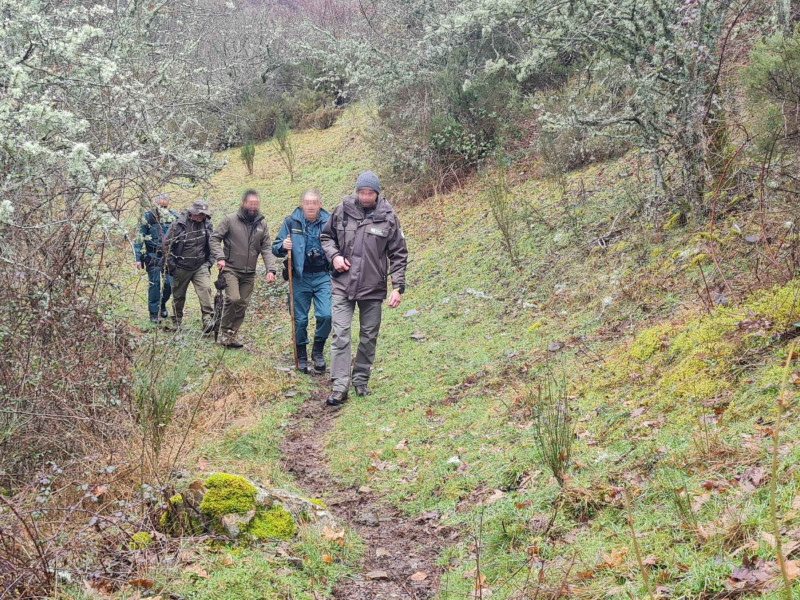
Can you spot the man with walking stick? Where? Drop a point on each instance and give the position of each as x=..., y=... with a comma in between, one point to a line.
x=307, y=273
x=365, y=244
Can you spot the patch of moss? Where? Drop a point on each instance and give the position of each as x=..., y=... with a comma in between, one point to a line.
x=675, y=221
x=319, y=503
x=176, y=499
x=140, y=540
x=227, y=494
x=648, y=343
x=273, y=524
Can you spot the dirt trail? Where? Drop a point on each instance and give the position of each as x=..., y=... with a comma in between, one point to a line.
x=397, y=546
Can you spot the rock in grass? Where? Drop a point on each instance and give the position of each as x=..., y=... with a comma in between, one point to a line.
x=227, y=494
x=234, y=524
x=377, y=575
x=367, y=518
x=241, y=509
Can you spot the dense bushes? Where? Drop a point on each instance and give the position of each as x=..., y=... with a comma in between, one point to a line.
x=773, y=81
x=302, y=108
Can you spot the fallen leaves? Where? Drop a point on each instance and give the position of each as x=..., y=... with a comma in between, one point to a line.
x=751, y=478
x=196, y=571
x=614, y=559
x=756, y=575
x=419, y=576
x=333, y=535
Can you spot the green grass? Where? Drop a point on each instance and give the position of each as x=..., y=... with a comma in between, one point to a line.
x=247, y=399
x=641, y=357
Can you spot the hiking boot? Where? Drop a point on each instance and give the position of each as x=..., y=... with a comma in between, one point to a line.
x=154, y=318
x=164, y=313
x=302, y=359
x=362, y=390
x=318, y=356
x=336, y=399
x=228, y=340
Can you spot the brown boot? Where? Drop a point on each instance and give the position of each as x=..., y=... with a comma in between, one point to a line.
x=228, y=340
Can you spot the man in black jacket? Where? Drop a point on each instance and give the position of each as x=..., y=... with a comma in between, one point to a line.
x=189, y=261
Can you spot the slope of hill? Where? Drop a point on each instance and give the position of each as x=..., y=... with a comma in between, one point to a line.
x=671, y=389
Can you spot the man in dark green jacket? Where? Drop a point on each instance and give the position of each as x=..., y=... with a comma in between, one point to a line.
x=365, y=244
x=237, y=242
x=189, y=261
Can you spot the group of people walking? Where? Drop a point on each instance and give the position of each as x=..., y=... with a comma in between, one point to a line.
x=339, y=261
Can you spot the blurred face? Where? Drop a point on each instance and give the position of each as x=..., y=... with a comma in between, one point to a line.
x=163, y=202
x=367, y=198
x=251, y=204
x=311, y=205
x=198, y=217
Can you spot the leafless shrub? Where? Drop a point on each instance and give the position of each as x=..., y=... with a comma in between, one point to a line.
x=553, y=426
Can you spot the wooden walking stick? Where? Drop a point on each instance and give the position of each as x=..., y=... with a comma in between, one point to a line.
x=291, y=312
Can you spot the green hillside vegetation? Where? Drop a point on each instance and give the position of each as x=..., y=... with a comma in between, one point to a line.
x=588, y=391
x=670, y=400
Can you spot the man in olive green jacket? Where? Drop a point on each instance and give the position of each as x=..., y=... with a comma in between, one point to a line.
x=236, y=244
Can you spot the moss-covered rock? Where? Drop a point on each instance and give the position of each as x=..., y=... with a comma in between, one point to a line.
x=227, y=494
x=273, y=524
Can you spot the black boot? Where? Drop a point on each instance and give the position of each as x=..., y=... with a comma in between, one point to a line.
x=336, y=399
x=318, y=356
x=164, y=313
x=302, y=359
x=154, y=318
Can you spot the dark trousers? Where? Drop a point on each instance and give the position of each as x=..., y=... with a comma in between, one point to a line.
x=158, y=294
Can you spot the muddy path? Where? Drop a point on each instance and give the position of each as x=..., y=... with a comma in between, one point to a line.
x=399, y=549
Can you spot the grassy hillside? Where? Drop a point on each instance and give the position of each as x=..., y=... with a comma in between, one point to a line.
x=673, y=400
